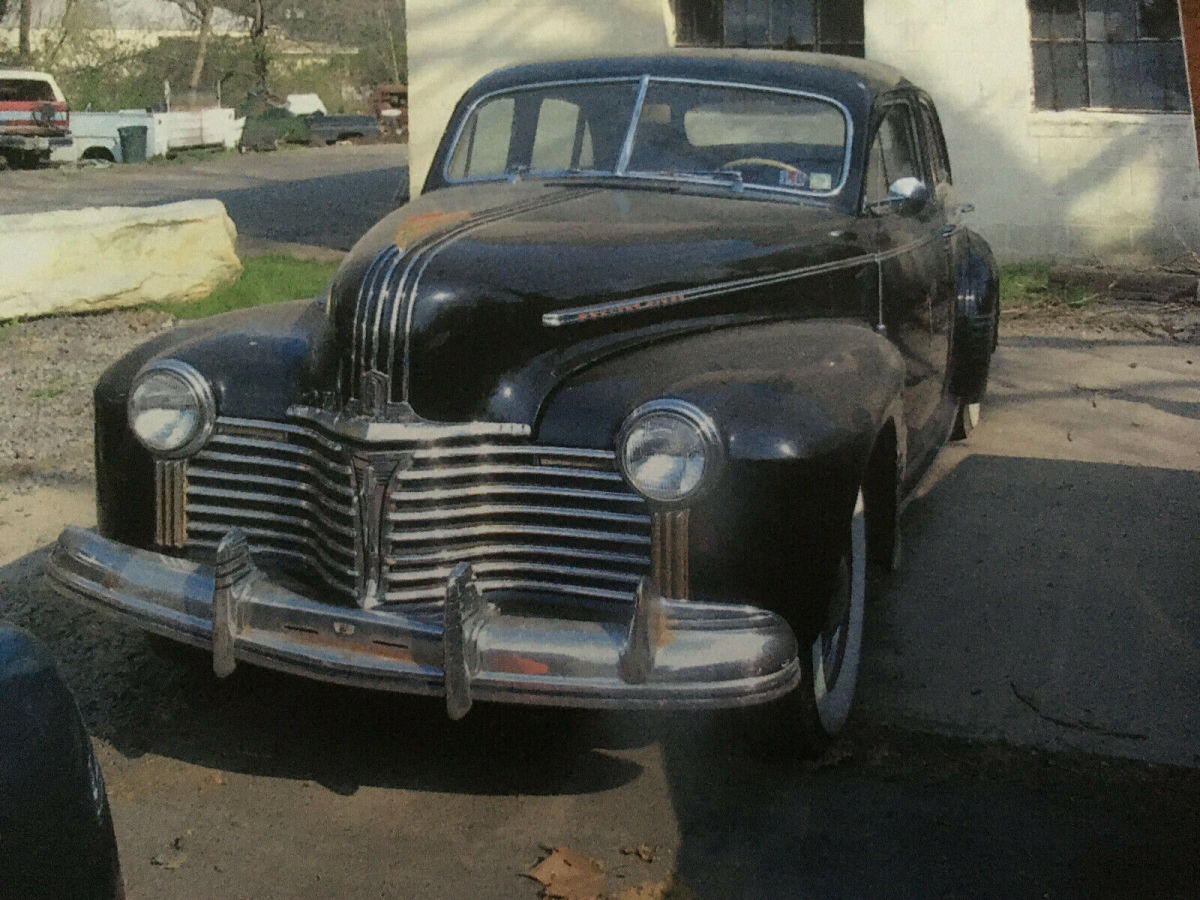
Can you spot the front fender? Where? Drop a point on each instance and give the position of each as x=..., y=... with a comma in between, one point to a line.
x=779, y=391
x=259, y=362
x=799, y=406
x=54, y=819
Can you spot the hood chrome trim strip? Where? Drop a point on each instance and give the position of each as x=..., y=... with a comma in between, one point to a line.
x=388, y=286
x=579, y=314
x=451, y=237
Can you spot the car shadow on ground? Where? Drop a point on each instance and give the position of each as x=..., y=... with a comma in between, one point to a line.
x=143, y=696
x=1016, y=571
x=1074, y=582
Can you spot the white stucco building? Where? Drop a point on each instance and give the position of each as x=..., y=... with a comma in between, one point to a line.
x=1069, y=128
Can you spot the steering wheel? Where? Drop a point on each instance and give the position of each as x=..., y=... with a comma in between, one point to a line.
x=761, y=161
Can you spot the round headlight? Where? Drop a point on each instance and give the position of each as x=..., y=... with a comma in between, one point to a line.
x=668, y=450
x=171, y=408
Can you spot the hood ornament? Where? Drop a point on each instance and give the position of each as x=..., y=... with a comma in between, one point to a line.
x=374, y=391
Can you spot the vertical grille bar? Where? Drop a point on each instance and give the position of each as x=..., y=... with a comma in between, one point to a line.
x=669, y=553
x=170, y=494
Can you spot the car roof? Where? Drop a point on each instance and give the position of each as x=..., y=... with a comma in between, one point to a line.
x=21, y=72
x=826, y=73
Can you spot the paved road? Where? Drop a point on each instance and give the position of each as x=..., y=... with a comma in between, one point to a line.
x=326, y=196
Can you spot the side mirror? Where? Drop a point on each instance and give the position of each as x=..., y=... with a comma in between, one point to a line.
x=909, y=195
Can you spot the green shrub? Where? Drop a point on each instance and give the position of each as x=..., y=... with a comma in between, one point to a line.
x=1028, y=285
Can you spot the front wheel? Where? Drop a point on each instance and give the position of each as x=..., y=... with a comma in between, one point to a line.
x=830, y=668
x=803, y=722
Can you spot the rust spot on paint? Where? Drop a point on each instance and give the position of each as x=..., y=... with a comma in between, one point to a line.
x=520, y=665
x=426, y=223
x=661, y=630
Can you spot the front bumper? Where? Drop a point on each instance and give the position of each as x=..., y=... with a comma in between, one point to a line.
x=34, y=143
x=666, y=653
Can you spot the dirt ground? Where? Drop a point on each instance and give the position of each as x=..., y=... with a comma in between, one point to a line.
x=1026, y=722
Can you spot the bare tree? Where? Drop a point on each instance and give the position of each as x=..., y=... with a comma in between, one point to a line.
x=258, y=11
x=24, y=51
x=200, y=13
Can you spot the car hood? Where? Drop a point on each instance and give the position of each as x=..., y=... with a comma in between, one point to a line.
x=473, y=301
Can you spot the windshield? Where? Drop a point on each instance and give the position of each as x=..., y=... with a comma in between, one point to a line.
x=743, y=137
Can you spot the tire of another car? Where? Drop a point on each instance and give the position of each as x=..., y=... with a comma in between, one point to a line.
x=802, y=723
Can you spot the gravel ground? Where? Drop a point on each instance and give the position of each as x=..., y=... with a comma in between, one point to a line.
x=47, y=370
x=48, y=367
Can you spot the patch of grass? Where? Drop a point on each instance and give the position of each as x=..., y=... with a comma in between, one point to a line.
x=48, y=391
x=7, y=327
x=1026, y=285
x=264, y=279
x=190, y=155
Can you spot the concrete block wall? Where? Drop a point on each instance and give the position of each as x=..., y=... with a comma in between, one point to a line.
x=1089, y=185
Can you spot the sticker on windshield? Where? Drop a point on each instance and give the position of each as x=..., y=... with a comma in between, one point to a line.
x=791, y=177
x=820, y=181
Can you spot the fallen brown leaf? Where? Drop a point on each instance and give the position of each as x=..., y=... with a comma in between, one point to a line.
x=567, y=875
x=644, y=852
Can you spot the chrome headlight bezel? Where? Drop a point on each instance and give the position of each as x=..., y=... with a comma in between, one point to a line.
x=201, y=399
x=678, y=413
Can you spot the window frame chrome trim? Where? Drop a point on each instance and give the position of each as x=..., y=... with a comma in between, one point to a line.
x=644, y=81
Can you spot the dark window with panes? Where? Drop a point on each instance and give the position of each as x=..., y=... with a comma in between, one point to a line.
x=1108, y=54
x=826, y=26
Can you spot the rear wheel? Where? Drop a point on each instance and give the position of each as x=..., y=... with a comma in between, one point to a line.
x=967, y=419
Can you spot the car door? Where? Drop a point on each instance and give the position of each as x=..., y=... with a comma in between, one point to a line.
x=911, y=243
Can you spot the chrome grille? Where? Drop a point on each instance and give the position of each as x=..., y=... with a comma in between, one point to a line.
x=287, y=487
x=528, y=518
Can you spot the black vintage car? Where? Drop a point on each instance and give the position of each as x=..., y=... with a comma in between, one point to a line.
x=618, y=413
x=56, y=830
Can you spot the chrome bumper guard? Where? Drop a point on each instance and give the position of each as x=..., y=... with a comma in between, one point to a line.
x=669, y=653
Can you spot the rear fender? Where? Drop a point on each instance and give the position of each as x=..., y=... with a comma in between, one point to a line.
x=976, y=317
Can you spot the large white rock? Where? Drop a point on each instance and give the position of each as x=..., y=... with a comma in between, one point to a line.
x=91, y=259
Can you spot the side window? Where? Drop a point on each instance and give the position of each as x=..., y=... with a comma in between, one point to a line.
x=562, y=140
x=484, y=147
x=893, y=154
x=935, y=143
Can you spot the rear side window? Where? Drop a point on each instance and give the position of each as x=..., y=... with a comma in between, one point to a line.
x=25, y=90
x=935, y=143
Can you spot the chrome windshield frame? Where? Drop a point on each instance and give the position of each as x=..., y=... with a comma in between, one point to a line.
x=621, y=168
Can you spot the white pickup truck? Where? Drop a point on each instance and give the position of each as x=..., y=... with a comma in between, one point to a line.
x=98, y=134
x=33, y=117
